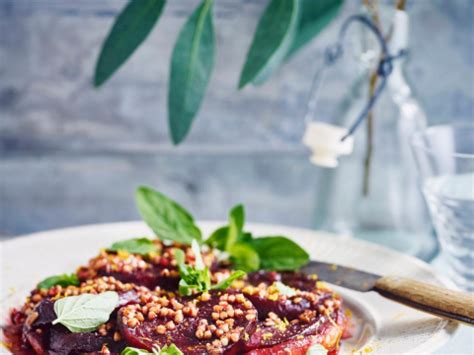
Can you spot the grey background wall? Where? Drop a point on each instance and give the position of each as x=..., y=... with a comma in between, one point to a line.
x=72, y=155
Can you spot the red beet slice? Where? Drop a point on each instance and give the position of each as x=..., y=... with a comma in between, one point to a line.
x=298, y=280
x=211, y=323
x=297, y=336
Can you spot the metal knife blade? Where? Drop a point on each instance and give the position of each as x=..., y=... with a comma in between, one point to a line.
x=342, y=275
x=434, y=299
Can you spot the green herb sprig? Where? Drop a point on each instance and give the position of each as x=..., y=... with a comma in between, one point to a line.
x=170, y=221
x=166, y=350
x=284, y=27
x=197, y=278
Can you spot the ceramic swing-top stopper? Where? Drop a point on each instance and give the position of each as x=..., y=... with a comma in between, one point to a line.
x=325, y=143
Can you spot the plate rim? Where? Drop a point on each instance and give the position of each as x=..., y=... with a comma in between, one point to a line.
x=438, y=340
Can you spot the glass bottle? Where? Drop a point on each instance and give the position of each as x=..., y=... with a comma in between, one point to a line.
x=373, y=194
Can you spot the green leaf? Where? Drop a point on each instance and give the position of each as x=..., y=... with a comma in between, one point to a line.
x=244, y=257
x=86, y=312
x=225, y=284
x=236, y=223
x=142, y=246
x=170, y=350
x=224, y=237
x=130, y=29
x=194, y=280
x=315, y=16
x=166, y=350
x=218, y=238
x=284, y=289
x=135, y=351
x=165, y=217
x=191, y=66
x=279, y=253
x=273, y=37
x=63, y=280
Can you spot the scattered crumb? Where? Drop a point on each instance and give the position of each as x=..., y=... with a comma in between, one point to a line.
x=348, y=313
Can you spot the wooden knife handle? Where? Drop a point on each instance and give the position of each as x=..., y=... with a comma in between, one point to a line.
x=433, y=299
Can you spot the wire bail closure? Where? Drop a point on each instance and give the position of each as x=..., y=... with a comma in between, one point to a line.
x=332, y=55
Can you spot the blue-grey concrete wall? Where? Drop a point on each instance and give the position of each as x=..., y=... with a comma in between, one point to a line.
x=71, y=154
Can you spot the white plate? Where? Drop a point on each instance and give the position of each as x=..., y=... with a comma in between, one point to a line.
x=384, y=326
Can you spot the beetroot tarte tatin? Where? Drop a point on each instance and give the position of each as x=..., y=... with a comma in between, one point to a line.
x=180, y=294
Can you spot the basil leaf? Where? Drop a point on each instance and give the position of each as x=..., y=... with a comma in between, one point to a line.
x=166, y=350
x=236, y=223
x=130, y=29
x=284, y=289
x=279, y=253
x=315, y=15
x=225, y=284
x=85, y=313
x=142, y=246
x=166, y=217
x=224, y=237
x=243, y=256
x=191, y=66
x=63, y=280
x=271, y=42
x=218, y=238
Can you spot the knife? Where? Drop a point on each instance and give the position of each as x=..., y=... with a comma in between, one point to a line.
x=436, y=300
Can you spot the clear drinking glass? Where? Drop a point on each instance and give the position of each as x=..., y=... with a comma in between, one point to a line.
x=445, y=158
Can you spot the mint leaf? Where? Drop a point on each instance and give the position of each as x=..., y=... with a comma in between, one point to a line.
x=166, y=217
x=279, y=253
x=225, y=284
x=130, y=29
x=142, y=246
x=191, y=67
x=198, y=278
x=85, y=313
x=193, y=278
x=273, y=37
x=63, y=280
x=284, y=289
x=243, y=256
x=166, y=350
